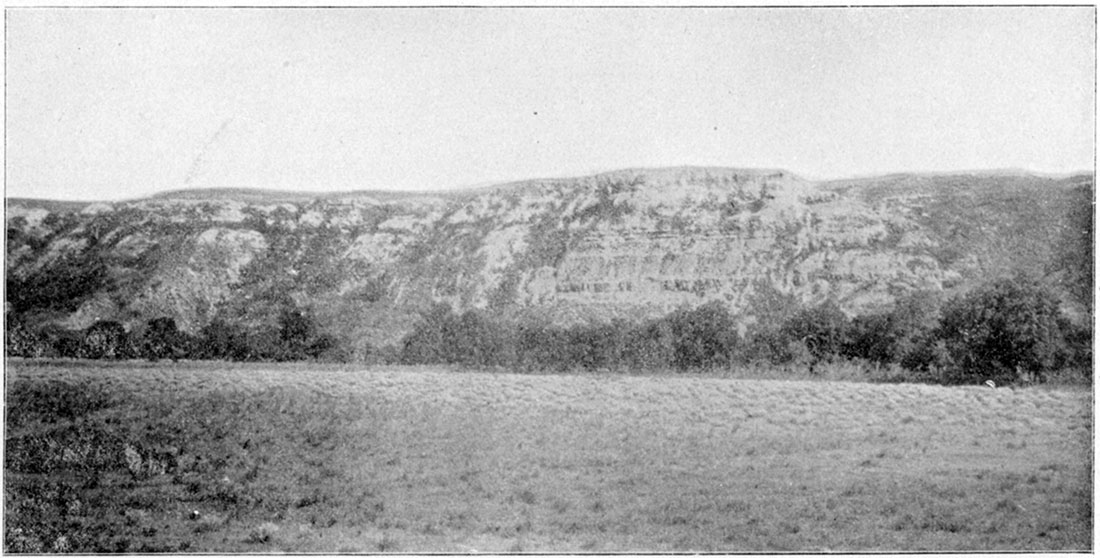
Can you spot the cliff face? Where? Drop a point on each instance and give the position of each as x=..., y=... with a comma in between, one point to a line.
x=629, y=244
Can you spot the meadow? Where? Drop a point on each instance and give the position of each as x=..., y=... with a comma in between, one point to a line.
x=217, y=457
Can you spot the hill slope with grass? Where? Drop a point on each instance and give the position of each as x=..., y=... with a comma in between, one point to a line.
x=631, y=244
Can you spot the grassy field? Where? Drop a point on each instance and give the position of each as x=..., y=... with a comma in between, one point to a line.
x=301, y=458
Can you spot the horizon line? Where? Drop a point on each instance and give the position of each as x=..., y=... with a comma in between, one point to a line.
x=489, y=184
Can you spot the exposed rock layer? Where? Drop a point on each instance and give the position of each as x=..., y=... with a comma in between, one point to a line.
x=630, y=243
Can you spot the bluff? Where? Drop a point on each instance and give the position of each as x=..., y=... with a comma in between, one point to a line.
x=627, y=244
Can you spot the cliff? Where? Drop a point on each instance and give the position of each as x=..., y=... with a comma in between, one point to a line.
x=629, y=244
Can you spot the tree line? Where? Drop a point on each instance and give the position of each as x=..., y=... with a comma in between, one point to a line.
x=1004, y=330
x=294, y=337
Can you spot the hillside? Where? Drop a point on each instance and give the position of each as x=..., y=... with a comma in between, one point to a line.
x=630, y=244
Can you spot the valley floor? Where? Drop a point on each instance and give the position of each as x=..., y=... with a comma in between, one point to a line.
x=263, y=458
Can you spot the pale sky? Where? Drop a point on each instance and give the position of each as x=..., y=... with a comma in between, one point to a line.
x=121, y=103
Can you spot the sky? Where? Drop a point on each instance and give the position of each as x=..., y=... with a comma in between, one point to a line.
x=107, y=104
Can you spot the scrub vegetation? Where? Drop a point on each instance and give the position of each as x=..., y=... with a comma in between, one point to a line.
x=1010, y=331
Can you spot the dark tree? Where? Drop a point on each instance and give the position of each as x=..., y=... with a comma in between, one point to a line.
x=296, y=330
x=472, y=339
x=540, y=345
x=889, y=337
x=476, y=340
x=162, y=339
x=823, y=329
x=595, y=347
x=62, y=286
x=425, y=344
x=650, y=345
x=872, y=337
x=220, y=340
x=703, y=337
x=1002, y=329
x=105, y=339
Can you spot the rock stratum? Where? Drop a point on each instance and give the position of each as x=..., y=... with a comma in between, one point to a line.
x=627, y=244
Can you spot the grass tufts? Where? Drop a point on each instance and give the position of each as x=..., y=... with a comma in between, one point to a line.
x=262, y=533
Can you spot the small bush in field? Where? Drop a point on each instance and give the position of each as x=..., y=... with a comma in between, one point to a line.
x=262, y=533
x=142, y=468
x=387, y=543
x=53, y=401
x=61, y=545
x=209, y=522
x=133, y=461
x=18, y=541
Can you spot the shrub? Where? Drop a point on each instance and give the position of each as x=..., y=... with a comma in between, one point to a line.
x=1001, y=329
x=702, y=337
x=650, y=345
x=326, y=347
x=471, y=339
x=62, y=286
x=66, y=343
x=1079, y=341
x=890, y=336
x=540, y=345
x=221, y=340
x=872, y=337
x=22, y=341
x=598, y=346
x=295, y=331
x=163, y=340
x=425, y=344
x=823, y=329
x=262, y=533
x=105, y=339
x=476, y=340
x=52, y=401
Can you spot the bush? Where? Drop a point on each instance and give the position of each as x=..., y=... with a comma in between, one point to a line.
x=650, y=345
x=596, y=347
x=872, y=337
x=262, y=533
x=297, y=335
x=220, y=340
x=766, y=344
x=65, y=343
x=891, y=336
x=698, y=338
x=478, y=341
x=52, y=401
x=425, y=344
x=1079, y=341
x=822, y=329
x=540, y=345
x=62, y=286
x=471, y=339
x=22, y=341
x=1003, y=329
x=703, y=337
x=163, y=340
x=105, y=339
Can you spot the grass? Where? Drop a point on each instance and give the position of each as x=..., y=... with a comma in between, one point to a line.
x=272, y=458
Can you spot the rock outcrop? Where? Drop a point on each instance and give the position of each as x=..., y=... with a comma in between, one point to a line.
x=630, y=244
